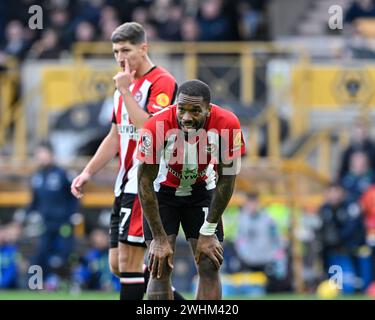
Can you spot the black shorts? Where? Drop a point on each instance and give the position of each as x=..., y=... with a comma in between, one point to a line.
x=188, y=211
x=126, y=221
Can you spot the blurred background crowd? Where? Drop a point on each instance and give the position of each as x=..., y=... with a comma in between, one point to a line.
x=66, y=22
x=304, y=92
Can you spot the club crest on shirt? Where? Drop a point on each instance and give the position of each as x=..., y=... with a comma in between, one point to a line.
x=138, y=96
x=146, y=144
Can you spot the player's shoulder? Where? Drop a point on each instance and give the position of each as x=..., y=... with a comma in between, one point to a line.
x=165, y=115
x=164, y=118
x=223, y=117
x=159, y=73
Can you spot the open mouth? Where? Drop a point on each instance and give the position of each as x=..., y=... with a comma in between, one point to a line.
x=188, y=126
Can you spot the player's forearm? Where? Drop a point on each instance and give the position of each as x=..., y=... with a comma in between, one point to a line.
x=147, y=196
x=221, y=197
x=137, y=115
x=105, y=153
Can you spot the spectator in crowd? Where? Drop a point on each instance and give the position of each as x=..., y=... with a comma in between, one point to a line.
x=214, y=22
x=360, y=141
x=47, y=47
x=59, y=20
x=170, y=28
x=9, y=256
x=16, y=42
x=109, y=20
x=360, y=9
x=359, y=178
x=85, y=32
x=93, y=272
x=140, y=14
x=189, y=29
x=251, y=19
x=52, y=199
x=86, y=20
x=342, y=229
x=89, y=11
x=258, y=244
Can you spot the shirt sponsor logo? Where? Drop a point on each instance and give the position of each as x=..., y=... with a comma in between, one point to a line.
x=188, y=174
x=129, y=130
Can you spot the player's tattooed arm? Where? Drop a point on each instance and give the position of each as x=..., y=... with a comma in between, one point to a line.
x=223, y=193
x=160, y=251
x=146, y=175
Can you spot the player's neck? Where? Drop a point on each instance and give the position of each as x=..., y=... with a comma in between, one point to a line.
x=146, y=67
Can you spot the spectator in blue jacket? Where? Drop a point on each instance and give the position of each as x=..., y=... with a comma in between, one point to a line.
x=8, y=259
x=93, y=271
x=52, y=199
x=342, y=228
x=359, y=178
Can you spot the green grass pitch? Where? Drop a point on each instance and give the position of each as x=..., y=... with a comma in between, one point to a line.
x=45, y=295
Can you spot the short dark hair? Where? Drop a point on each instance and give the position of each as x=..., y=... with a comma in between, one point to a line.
x=129, y=31
x=196, y=88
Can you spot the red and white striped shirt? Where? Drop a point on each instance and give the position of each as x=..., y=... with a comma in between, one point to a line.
x=187, y=163
x=154, y=91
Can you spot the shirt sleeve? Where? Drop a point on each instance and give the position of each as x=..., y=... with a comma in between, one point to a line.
x=233, y=140
x=162, y=94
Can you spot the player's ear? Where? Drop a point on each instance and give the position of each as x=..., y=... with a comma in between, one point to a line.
x=144, y=48
x=208, y=107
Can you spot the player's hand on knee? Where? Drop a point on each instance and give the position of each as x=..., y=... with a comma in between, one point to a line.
x=212, y=248
x=160, y=256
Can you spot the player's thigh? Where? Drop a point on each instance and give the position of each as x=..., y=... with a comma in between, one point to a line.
x=114, y=223
x=170, y=217
x=192, y=219
x=113, y=236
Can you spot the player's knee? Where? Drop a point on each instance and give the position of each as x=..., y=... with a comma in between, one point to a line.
x=206, y=268
x=131, y=259
x=165, y=276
